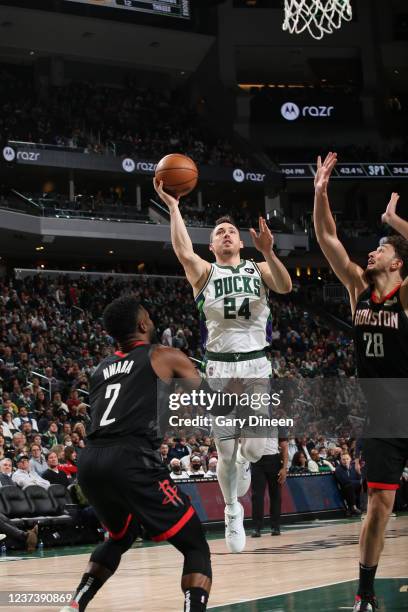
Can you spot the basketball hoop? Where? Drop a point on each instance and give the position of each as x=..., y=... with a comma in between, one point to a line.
x=319, y=17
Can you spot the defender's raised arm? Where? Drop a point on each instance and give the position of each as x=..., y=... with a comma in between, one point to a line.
x=392, y=219
x=349, y=273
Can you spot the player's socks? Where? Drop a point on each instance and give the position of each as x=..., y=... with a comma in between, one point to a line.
x=87, y=589
x=367, y=576
x=195, y=600
x=244, y=473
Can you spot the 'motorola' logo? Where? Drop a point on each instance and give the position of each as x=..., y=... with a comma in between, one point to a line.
x=290, y=111
x=9, y=154
x=238, y=175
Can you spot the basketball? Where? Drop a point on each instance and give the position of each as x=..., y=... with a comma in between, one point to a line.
x=178, y=173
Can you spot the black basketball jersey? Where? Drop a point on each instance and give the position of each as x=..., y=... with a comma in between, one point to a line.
x=123, y=398
x=381, y=336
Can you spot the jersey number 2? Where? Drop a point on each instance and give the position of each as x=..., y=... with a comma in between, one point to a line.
x=108, y=395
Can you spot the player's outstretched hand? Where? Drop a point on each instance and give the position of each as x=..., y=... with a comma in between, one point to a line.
x=324, y=170
x=168, y=199
x=264, y=240
x=391, y=209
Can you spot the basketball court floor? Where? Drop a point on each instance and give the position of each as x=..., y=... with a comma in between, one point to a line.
x=310, y=567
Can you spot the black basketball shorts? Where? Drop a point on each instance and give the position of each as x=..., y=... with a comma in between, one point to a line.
x=125, y=484
x=385, y=460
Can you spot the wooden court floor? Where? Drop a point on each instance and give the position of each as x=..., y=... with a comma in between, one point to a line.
x=310, y=567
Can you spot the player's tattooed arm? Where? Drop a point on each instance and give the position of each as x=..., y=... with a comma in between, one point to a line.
x=348, y=272
x=391, y=218
x=274, y=273
x=196, y=268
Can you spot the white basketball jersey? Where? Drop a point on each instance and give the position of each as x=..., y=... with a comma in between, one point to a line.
x=234, y=311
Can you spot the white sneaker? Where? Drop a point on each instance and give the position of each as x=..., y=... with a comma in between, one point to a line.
x=244, y=477
x=235, y=537
x=2, y=536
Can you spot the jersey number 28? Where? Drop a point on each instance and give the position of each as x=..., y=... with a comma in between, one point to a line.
x=375, y=345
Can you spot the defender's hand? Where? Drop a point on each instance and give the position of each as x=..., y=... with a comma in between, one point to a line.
x=391, y=209
x=324, y=171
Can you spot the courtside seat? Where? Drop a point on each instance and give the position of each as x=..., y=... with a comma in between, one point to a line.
x=12, y=503
x=60, y=496
x=17, y=506
x=46, y=510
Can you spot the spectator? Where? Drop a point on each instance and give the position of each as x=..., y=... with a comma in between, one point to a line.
x=299, y=464
x=212, y=468
x=38, y=463
x=69, y=466
x=58, y=404
x=350, y=484
x=6, y=472
x=305, y=446
x=7, y=425
x=41, y=404
x=24, y=418
x=179, y=449
x=50, y=437
x=164, y=453
x=18, y=445
x=23, y=478
x=176, y=470
x=28, y=538
x=77, y=443
x=196, y=469
x=167, y=336
x=53, y=474
x=37, y=439
x=319, y=456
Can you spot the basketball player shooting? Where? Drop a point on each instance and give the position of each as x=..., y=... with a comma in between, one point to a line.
x=381, y=352
x=232, y=298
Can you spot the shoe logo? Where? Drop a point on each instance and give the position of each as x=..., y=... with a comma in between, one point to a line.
x=170, y=494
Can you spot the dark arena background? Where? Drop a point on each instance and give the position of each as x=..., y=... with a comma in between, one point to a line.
x=93, y=93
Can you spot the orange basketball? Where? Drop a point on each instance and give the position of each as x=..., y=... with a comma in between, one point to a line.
x=178, y=173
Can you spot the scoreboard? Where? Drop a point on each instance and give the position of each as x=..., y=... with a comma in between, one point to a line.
x=164, y=8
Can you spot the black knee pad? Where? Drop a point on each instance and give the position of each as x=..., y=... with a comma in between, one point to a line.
x=109, y=553
x=191, y=542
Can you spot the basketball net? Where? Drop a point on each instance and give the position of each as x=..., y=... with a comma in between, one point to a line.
x=319, y=17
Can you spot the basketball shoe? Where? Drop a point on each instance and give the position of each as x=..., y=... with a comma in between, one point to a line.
x=234, y=529
x=365, y=604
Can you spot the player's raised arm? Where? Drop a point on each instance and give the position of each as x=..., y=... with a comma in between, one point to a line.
x=195, y=267
x=348, y=272
x=392, y=219
x=274, y=273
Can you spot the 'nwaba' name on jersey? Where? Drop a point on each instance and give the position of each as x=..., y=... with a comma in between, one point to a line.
x=119, y=367
x=237, y=284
